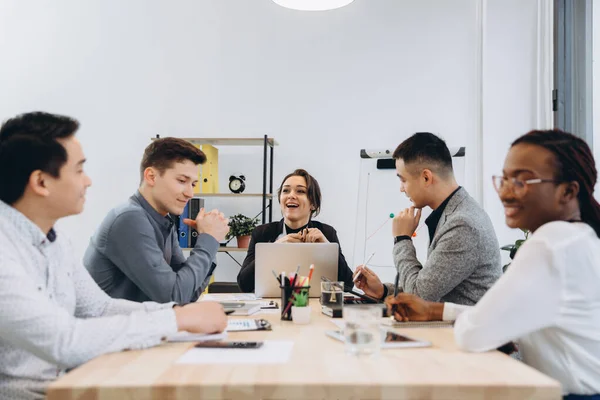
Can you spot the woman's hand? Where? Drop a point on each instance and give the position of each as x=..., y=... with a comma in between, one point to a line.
x=291, y=238
x=313, y=235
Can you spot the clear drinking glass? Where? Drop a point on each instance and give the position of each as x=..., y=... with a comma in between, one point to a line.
x=332, y=294
x=362, y=334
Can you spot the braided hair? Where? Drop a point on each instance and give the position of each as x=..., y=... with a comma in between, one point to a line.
x=575, y=162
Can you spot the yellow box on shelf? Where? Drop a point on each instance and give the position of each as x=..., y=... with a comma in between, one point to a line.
x=209, y=171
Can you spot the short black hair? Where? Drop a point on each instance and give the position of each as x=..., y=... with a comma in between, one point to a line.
x=162, y=153
x=28, y=143
x=428, y=149
x=313, y=190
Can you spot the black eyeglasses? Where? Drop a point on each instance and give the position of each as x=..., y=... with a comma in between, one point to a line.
x=519, y=187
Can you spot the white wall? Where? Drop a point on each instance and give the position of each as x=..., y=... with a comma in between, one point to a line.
x=323, y=84
x=509, y=93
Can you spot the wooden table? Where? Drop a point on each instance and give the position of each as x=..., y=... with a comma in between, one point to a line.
x=319, y=369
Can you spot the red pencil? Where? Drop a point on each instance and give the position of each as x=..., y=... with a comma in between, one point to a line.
x=312, y=269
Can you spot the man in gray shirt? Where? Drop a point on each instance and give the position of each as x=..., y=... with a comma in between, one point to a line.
x=463, y=258
x=135, y=253
x=53, y=316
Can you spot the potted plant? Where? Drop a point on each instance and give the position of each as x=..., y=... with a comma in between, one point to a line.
x=512, y=248
x=300, y=308
x=241, y=227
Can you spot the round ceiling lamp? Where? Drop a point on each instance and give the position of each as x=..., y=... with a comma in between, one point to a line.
x=313, y=5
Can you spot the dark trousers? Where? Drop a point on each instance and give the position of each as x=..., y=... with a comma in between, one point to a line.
x=582, y=397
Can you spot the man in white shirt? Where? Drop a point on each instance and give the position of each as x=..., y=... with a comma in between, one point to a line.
x=53, y=316
x=548, y=300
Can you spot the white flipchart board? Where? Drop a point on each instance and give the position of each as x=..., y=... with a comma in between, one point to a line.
x=379, y=196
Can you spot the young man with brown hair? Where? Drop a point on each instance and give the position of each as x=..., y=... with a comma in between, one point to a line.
x=135, y=253
x=52, y=315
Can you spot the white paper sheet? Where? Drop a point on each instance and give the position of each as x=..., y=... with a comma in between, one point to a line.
x=241, y=324
x=272, y=352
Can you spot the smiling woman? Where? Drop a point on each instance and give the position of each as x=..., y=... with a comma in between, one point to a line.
x=300, y=200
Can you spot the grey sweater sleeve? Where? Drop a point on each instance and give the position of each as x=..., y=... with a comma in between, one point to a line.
x=452, y=261
x=133, y=248
x=179, y=261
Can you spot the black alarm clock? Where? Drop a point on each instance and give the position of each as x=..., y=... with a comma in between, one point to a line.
x=236, y=183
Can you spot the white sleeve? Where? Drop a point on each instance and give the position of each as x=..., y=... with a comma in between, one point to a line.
x=31, y=321
x=524, y=300
x=452, y=311
x=94, y=302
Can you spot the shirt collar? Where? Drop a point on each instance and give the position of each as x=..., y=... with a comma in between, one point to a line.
x=24, y=226
x=162, y=220
x=434, y=218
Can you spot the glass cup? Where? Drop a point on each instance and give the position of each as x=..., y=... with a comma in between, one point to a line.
x=362, y=334
x=332, y=294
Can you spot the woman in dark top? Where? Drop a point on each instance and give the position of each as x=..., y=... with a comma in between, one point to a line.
x=300, y=200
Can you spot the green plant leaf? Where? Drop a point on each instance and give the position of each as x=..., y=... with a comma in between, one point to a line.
x=512, y=248
x=240, y=225
x=301, y=299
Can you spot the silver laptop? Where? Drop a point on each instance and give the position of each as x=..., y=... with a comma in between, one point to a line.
x=286, y=257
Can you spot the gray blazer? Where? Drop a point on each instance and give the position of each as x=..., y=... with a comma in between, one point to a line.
x=463, y=259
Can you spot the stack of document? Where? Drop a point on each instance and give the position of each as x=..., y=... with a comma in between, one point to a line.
x=184, y=336
x=233, y=325
x=241, y=308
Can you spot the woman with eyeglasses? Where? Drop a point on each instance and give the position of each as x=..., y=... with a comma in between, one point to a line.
x=549, y=299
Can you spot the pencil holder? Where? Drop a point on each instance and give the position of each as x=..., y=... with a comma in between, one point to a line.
x=288, y=295
x=286, y=312
x=301, y=315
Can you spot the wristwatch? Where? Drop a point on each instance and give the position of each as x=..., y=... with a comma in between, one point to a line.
x=400, y=238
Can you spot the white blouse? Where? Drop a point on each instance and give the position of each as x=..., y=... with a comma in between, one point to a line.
x=549, y=302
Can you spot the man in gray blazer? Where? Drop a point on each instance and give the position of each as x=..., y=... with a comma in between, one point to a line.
x=463, y=258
